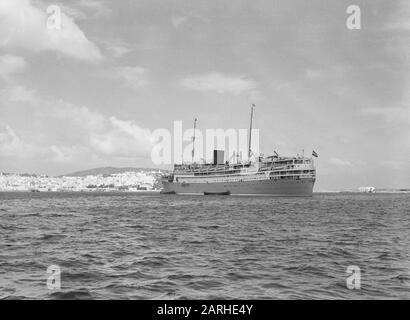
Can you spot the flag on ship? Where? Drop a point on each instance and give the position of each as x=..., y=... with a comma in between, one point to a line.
x=275, y=154
x=314, y=153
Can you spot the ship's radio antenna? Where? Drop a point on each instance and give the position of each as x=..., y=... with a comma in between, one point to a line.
x=193, y=141
x=250, y=133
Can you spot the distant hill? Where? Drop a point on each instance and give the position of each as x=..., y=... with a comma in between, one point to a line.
x=106, y=171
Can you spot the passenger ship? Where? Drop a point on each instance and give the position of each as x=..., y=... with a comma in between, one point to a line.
x=273, y=175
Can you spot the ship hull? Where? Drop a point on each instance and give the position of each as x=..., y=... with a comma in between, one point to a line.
x=285, y=187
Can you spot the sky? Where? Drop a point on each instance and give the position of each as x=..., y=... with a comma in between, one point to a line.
x=92, y=92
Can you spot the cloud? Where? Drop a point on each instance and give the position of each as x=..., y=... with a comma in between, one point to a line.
x=340, y=162
x=80, y=117
x=10, y=65
x=95, y=8
x=118, y=51
x=14, y=147
x=399, y=26
x=399, y=20
x=326, y=73
x=132, y=77
x=314, y=74
x=84, y=9
x=63, y=132
x=392, y=114
x=18, y=93
x=23, y=25
x=178, y=21
x=106, y=136
x=393, y=164
x=9, y=142
x=219, y=83
x=115, y=48
x=124, y=139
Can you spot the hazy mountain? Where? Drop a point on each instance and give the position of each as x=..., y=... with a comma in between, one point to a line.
x=106, y=171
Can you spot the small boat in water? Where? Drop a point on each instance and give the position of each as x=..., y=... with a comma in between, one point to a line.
x=167, y=192
x=224, y=193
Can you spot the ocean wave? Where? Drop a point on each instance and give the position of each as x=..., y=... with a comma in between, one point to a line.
x=72, y=295
x=156, y=247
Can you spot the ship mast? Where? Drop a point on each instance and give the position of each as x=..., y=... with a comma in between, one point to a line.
x=250, y=133
x=193, y=141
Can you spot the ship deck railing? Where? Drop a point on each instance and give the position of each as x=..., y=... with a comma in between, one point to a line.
x=281, y=161
x=271, y=176
x=229, y=171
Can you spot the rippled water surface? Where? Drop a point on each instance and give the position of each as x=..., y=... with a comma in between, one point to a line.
x=145, y=246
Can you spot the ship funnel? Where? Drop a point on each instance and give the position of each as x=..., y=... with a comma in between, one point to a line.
x=219, y=157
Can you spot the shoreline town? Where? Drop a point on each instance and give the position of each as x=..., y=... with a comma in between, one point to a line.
x=125, y=181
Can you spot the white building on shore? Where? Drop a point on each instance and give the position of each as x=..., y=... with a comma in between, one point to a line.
x=367, y=189
x=143, y=180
